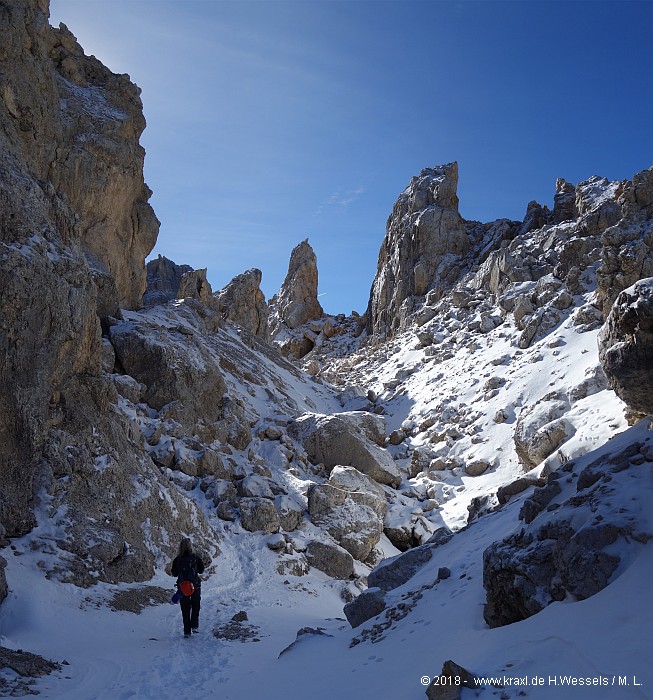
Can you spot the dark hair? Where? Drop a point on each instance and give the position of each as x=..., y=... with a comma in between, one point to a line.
x=185, y=547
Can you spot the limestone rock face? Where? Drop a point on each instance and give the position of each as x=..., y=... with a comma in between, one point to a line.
x=77, y=125
x=425, y=235
x=626, y=346
x=194, y=285
x=297, y=301
x=75, y=228
x=564, y=201
x=242, y=302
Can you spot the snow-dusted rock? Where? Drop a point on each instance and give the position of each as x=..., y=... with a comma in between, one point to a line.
x=347, y=516
x=331, y=559
x=258, y=514
x=338, y=440
x=297, y=301
x=367, y=605
x=626, y=346
x=242, y=302
x=573, y=541
x=541, y=428
x=172, y=369
x=255, y=486
x=290, y=512
x=424, y=237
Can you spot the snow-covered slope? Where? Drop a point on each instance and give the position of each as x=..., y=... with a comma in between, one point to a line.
x=502, y=457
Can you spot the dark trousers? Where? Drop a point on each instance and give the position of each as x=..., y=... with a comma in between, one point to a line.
x=190, y=611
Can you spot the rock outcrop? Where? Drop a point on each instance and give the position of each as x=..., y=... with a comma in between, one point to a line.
x=425, y=239
x=297, y=301
x=627, y=246
x=242, y=302
x=167, y=281
x=626, y=346
x=573, y=539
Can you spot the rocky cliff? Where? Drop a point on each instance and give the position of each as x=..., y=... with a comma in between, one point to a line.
x=75, y=227
x=428, y=248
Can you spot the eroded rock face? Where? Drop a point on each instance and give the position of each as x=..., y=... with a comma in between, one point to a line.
x=573, y=539
x=103, y=181
x=627, y=246
x=75, y=227
x=626, y=346
x=425, y=235
x=242, y=302
x=297, y=302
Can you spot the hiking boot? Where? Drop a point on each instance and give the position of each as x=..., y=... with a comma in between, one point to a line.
x=186, y=635
x=195, y=630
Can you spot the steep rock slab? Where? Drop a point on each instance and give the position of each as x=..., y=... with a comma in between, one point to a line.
x=336, y=440
x=626, y=346
x=425, y=237
x=242, y=302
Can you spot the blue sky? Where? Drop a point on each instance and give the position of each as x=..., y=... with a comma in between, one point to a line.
x=274, y=121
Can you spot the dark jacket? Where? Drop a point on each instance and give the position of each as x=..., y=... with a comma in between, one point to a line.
x=178, y=565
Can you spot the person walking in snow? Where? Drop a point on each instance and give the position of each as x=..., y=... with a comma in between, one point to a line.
x=187, y=567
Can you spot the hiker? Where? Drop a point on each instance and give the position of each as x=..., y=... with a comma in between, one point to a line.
x=187, y=567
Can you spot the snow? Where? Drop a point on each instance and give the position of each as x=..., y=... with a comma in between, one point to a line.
x=461, y=382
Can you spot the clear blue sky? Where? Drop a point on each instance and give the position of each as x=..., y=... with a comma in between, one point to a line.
x=270, y=122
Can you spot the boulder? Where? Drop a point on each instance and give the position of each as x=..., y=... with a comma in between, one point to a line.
x=173, y=368
x=626, y=346
x=338, y=440
x=369, y=604
x=347, y=516
x=333, y=560
x=255, y=486
x=396, y=571
x=457, y=677
x=541, y=428
x=289, y=511
x=505, y=493
x=259, y=514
